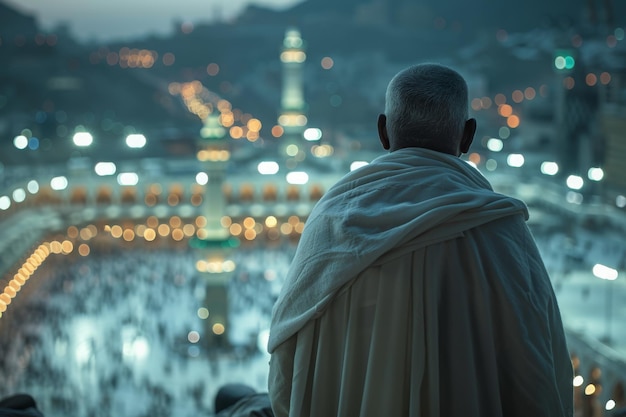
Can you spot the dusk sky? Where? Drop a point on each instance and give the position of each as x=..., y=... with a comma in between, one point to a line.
x=118, y=19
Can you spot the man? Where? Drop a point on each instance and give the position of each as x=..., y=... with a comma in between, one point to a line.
x=19, y=405
x=240, y=400
x=416, y=290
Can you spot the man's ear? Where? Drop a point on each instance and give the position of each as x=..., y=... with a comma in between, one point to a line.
x=468, y=135
x=382, y=131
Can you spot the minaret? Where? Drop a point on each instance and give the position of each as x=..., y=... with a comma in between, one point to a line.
x=214, y=242
x=292, y=116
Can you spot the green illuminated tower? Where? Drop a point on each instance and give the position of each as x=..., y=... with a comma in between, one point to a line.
x=292, y=117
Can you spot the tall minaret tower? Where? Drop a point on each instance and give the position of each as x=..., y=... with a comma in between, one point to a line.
x=292, y=116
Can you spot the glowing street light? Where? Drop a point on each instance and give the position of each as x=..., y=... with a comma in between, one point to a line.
x=515, y=160
x=58, y=183
x=135, y=141
x=495, y=145
x=19, y=195
x=312, y=134
x=5, y=202
x=202, y=178
x=595, y=174
x=610, y=404
x=604, y=272
x=297, y=177
x=268, y=167
x=575, y=182
x=82, y=139
x=578, y=380
x=549, y=168
x=357, y=164
x=127, y=178
x=20, y=142
x=105, y=168
x=33, y=187
x=608, y=274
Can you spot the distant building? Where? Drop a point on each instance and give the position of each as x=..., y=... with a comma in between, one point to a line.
x=576, y=119
x=613, y=127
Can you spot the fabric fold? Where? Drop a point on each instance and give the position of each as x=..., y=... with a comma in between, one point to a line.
x=400, y=197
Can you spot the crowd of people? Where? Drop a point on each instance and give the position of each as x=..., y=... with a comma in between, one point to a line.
x=108, y=334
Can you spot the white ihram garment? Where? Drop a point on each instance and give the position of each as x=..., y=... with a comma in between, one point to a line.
x=418, y=291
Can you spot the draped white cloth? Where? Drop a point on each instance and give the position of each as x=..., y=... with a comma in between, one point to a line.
x=418, y=291
x=399, y=196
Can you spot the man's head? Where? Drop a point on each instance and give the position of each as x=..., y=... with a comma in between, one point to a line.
x=426, y=106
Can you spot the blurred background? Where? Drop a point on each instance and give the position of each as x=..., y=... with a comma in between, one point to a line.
x=158, y=164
